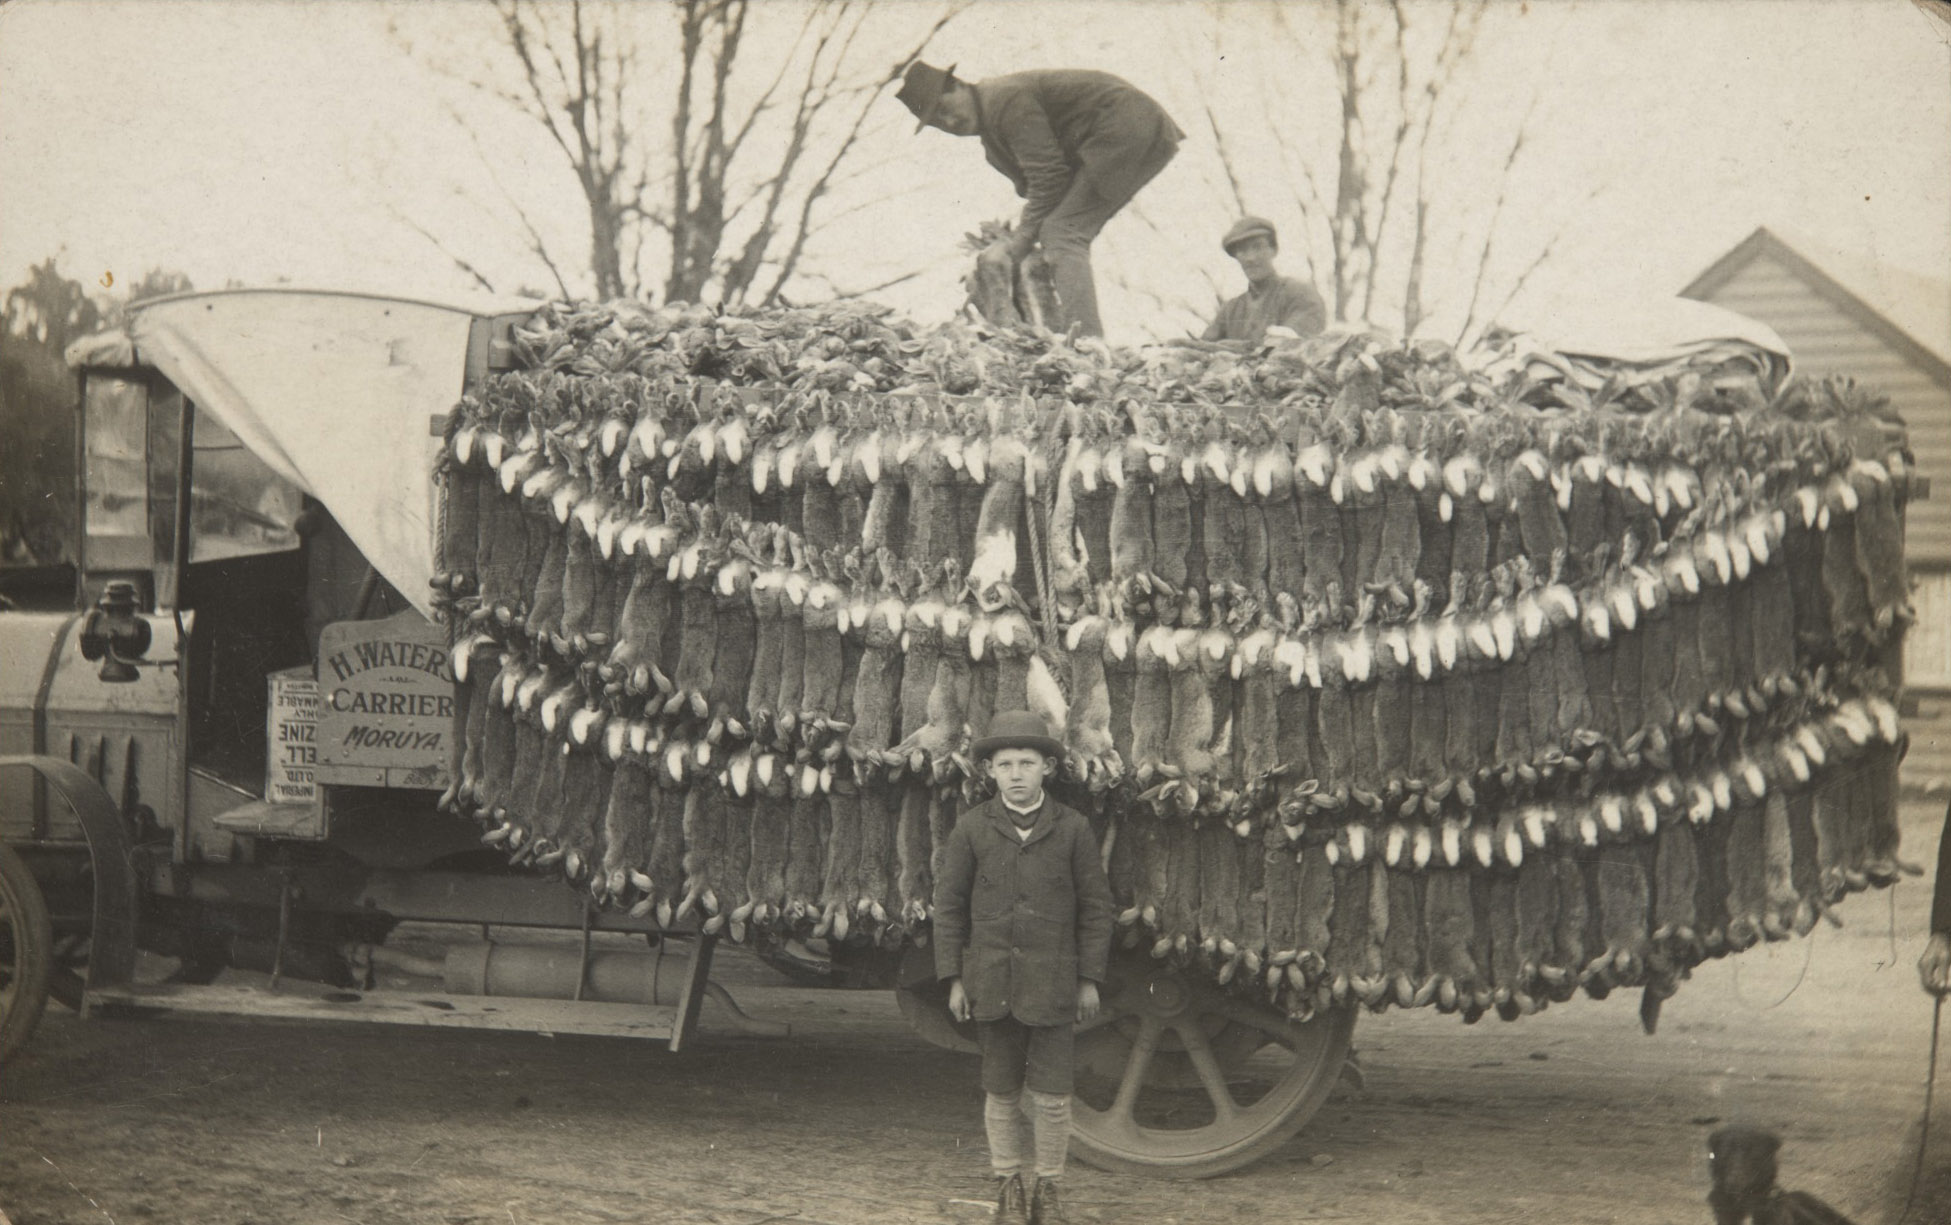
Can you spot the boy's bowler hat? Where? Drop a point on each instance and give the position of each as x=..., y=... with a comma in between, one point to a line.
x=1017, y=729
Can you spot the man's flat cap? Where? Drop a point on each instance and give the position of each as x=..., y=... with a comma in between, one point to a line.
x=1249, y=227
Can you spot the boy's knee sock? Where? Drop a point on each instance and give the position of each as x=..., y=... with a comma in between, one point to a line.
x=1050, y=1123
x=1009, y=1133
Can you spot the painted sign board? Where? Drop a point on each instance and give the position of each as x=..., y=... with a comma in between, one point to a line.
x=292, y=738
x=386, y=703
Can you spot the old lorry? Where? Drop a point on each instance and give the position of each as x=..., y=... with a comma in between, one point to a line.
x=591, y=637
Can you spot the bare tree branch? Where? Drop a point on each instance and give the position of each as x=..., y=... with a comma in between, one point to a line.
x=1458, y=39
x=537, y=246
x=829, y=220
x=660, y=129
x=690, y=35
x=1348, y=222
x=459, y=261
x=1541, y=258
x=840, y=295
x=1398, y=140
x=1317, y=249
x=540, y=250
x=1313, y=208
x=1491, y=228
x=1181, y=305
x=1497, y=210
x=536, y=104
x=858, y=170
x=797, y=247
x=789, y=263
x=574, y=122
x=812, y=98
x=1225, y=151
x=1222, y=145
x=1412, y=290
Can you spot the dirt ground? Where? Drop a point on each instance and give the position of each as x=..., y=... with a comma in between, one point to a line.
x=1568, y=1117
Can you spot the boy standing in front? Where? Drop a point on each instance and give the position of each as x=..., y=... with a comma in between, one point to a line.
x=1022, y=933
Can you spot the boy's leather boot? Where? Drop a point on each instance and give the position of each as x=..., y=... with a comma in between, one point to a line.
x=1044, y=1206
x=1010, y=1206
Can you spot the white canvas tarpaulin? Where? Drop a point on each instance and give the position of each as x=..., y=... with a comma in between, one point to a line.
x=335, y=393
x=1657, y=331
x=1643, y=341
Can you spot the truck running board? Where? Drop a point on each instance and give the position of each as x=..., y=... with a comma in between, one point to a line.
x=309, y=1002
x=675, y=1023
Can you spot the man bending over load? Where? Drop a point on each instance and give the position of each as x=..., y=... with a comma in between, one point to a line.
x=1077, y=143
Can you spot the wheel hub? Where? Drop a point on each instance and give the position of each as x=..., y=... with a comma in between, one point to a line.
x=1167, y=996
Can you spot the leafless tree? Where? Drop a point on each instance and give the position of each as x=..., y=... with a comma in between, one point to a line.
x=708, y=138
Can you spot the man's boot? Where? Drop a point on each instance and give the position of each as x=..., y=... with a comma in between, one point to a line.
x=1045, y=1209
x=1010, y=1206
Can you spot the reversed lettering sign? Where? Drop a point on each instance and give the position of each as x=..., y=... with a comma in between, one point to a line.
x=290, y=771
x=386, y=703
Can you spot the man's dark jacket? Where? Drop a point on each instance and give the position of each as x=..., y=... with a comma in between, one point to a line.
x=1020, y=922
x=1285, y=302
x=1045, y=127
x=1941, y=888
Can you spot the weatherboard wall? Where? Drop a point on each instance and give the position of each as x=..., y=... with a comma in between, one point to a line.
x=1829, y=337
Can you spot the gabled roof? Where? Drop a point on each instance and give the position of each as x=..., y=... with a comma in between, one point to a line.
x=1874, y=295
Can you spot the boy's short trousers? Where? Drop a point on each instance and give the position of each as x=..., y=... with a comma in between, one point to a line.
x=1015, y=1054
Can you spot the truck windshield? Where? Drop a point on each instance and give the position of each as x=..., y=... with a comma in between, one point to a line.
x=123, y=533
x=239, y=507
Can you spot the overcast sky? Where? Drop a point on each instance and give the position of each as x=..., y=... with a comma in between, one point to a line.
x=261, y=140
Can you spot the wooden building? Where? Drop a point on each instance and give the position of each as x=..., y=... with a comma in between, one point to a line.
x=1891, y=331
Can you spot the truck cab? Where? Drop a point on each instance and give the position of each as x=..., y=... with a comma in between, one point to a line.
x=211, y=541
x=231, y=746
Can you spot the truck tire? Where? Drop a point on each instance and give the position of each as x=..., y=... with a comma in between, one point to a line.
x=26, y=952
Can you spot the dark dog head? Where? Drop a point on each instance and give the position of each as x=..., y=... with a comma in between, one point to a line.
x=1742, y=1160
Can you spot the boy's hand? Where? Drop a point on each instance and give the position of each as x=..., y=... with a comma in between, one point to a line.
x=958, y=1000
x=1934, y=967
x=1087, y=1004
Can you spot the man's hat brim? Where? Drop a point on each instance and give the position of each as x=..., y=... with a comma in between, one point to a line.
x=923, y=78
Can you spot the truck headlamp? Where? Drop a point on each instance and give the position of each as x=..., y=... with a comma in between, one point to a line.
x=115, y=633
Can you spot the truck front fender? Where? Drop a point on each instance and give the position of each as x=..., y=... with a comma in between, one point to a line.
x=111, y=952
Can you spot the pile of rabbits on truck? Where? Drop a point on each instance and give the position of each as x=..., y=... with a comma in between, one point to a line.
x=1387, y=672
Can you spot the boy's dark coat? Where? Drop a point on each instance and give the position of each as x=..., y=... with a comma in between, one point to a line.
x=1021, y=921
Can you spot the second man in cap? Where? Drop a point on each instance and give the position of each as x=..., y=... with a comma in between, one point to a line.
x=1270, y=300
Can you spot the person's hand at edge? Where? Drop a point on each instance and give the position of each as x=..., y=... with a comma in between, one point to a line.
x=1934, y=967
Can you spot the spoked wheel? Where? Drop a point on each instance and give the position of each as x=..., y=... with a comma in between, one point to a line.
x=26, y=952
x=1177, y=1078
